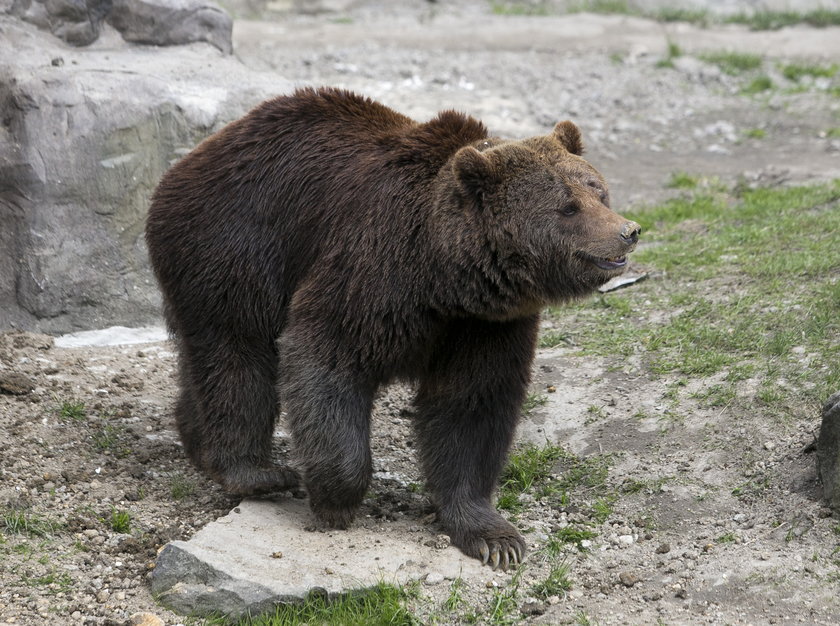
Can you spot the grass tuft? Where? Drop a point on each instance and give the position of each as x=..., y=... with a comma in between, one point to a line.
x=733, y=63
x=17, y=522
x=120, y=521
x=380, y=605
x=73, y=410
x=557, y=583
x=759, y=84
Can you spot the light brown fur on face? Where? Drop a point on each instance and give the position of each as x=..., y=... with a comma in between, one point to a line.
x=547, y=212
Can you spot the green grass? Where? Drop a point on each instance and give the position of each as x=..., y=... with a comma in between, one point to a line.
x=504, y=602
x=677, y=14
x=72, y=410
x=759, y=84
x=17, y=522
x=682, y=180
x=750, y=276
x=382, y=605
x=833, y=133
x=554, y=338
x=180, y=487
x=54, y=582
x=120, y=521
x=796, y=71
x=532, y=401
x=755, y=133
x=733, y=63
x=557, y=582
x=519, y=8
x=774, y=20
x=757, y=20
x=566, y=536
x=674, y=51
x=527, y=467
x=552, y=473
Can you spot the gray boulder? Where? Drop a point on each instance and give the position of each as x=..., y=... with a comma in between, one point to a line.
x=85, y=135
x=828, y=451
x=155, y=22
x=170, y=22
x=78, y=22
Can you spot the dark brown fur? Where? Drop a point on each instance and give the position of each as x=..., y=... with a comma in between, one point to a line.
x=331, y=244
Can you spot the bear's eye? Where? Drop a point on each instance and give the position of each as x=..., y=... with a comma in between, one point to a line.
x=570, y=209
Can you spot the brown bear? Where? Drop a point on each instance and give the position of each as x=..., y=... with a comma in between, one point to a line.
x=325, y=245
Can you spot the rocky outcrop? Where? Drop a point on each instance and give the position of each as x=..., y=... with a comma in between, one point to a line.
x=828, y=452
x=85, y=134
x=156, y=22
x=169, y=22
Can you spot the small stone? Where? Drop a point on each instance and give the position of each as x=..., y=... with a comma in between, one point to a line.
x=625, y=540
x=103, y=596
x=769, y=445
x=433, y=578
x=146, y=619
x=663, y=548
x=277, y=555
x=12, y=383
x=532, y=607
x=628, y=579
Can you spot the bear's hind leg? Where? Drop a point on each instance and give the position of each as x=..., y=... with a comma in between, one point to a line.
x=187, y=418
x=468, y=407
x=230, y=427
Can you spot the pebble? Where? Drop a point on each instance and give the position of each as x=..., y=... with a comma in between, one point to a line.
x=625, y=540
x=663, y=548
x=103, y=596
x=146, y=619
x=628, y=579
x=433, y=578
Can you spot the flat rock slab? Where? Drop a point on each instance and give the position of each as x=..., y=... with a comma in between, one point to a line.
x=259, y=555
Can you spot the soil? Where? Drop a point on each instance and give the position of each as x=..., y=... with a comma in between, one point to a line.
x=719, y=518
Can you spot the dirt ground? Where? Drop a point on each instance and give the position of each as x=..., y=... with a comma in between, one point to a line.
x=726, y=525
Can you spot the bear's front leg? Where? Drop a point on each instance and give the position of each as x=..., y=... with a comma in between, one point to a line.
x=329, y=416
x=468, y=407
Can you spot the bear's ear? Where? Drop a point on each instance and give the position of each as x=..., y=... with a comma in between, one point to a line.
x=569, y=136
x=474, y=171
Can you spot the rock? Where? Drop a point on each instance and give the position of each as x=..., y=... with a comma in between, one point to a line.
x=15, y=384
x=157, y=22
x=78, y=22
x=663, y=548
x=72, y=253
x=433, y=578
x=532, y=607
x=146, y=619
x=628, y=579
x=828, y=451
x=170, y=22
x=227, y=566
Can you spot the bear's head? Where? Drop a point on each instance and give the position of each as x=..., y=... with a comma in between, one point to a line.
x=543, y=213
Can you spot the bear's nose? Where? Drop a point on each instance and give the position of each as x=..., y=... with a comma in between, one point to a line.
x=630, y=232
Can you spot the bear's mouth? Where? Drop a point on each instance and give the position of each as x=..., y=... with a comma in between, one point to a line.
x=606, y=263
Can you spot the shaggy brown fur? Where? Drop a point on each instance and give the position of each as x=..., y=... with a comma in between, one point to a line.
x=331, y=244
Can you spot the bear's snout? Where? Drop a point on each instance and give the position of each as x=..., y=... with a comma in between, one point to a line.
x=630, y=233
